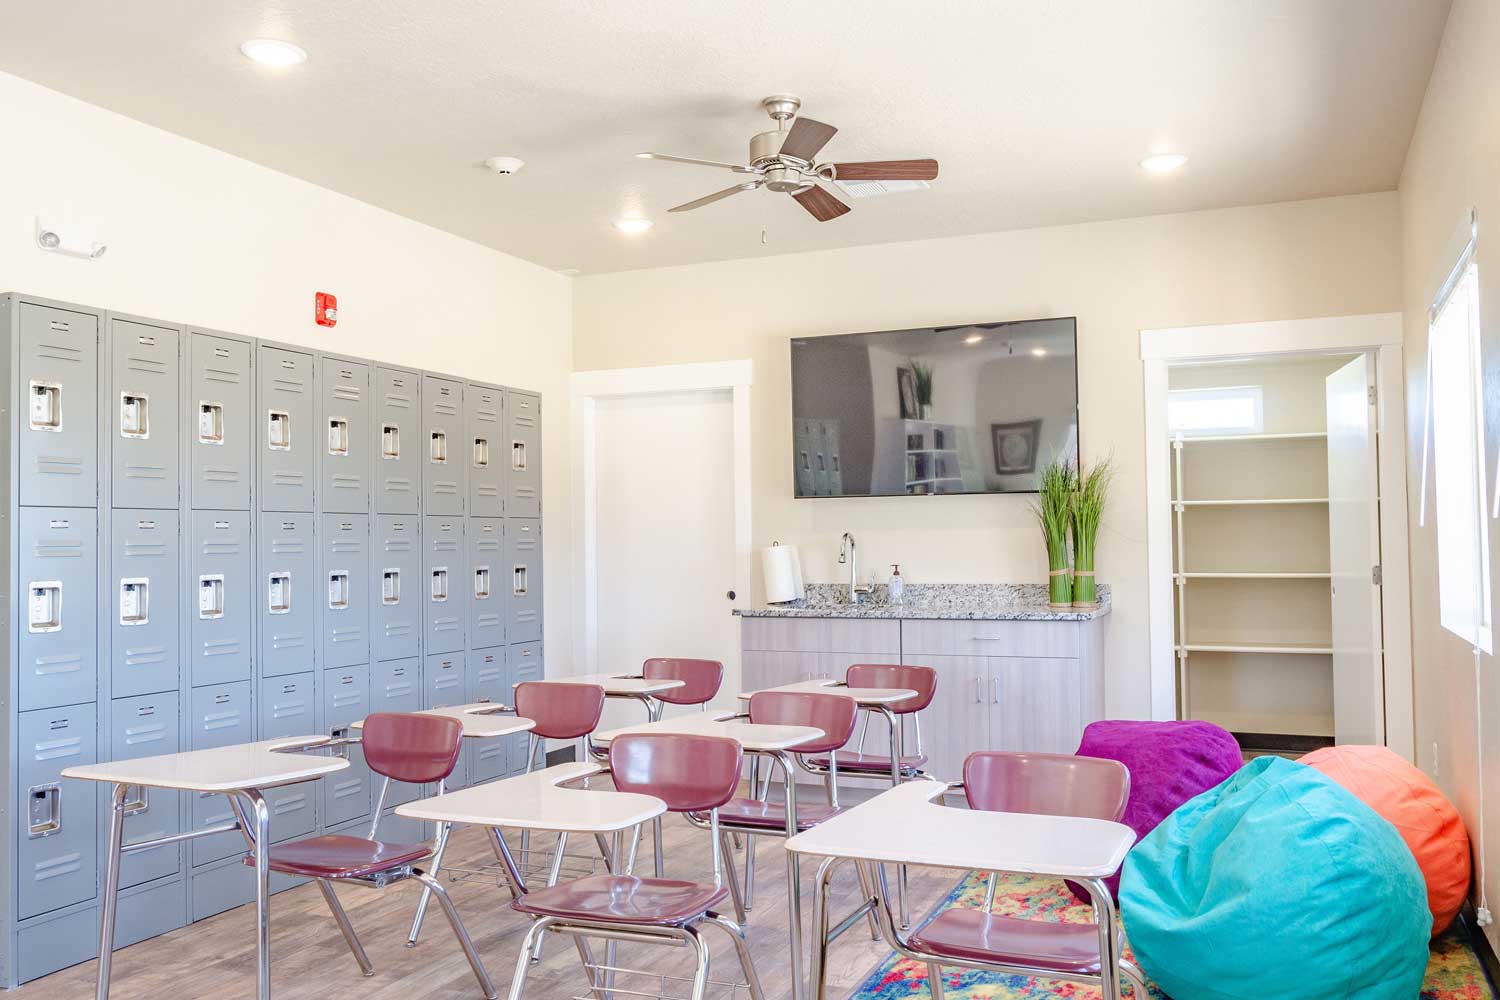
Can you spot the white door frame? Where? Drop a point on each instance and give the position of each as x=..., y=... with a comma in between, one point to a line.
x=1378, y=333
x=587, y=389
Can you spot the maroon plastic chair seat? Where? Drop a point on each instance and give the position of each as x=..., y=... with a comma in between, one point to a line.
x=898, y=676
x=869, y=763
x=700, y=679
x=976, y=936
x=834, y=714
x=624, y=899
x=337, y=856
x=560, y=711
x=772, y=815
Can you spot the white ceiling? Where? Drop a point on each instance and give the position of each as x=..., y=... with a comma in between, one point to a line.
x=1038, y=111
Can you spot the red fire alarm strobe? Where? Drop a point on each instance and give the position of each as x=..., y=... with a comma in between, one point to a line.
x=326, y=309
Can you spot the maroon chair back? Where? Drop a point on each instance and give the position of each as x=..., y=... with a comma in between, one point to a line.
x=413, y=748
x=701, y=678
x=689, y=773
x=832, y=713
x=560, y=711
x=922, y=680
x=1048, y=784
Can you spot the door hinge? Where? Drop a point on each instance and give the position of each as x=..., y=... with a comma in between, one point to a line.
x=1373, y=395
x=1376, y=577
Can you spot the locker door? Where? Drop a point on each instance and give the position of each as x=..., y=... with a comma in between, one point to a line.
x=221, y=717
x=396, y=598
x=445, y=583
x=57, y=843
x=286, y=580
x=220, y=423
x=487, y=576
x=144, y=603
x=486, y=455
x=445, y=461
x=145, y=414
x=487, y=759
x=443, y=680
x=524, y=473
x=59, y=372
x=346, y=699
x=346, y=579
x=346, y=428
x=287, y=708
x=284, y=411
x=220, y=606
x=523, y=579
x=525, y=664
x=58, y=651
x=147, y=727
x=396, y=686
x=397, y=429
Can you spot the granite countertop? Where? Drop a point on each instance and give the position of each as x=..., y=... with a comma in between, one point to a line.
x=976, y=601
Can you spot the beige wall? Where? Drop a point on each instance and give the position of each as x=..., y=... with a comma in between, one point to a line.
x=198, y=236
x=1318, y=258
x=1454, y=165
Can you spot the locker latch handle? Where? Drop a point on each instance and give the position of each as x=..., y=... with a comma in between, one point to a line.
x=390, y=586
x=135, y=599
x=279, y=592
x=135, y=415
x=136, y=801
x=518, y=581
x=341, y=741
x=46, y=406
x=440, y=583
x=338, y=436
x=481, y=583
x=44, y=810
x=439, y=451
x=279, y=430
x=338, y=590
x=44, y=609
x=481, y=453
x=390, y=441
x=211, y=596
x=210, y=422
x=518, y=456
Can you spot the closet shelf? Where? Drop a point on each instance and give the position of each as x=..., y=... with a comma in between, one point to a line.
x=1282, y=723
x=1298, y=436
x=1253, y=576
x=1256, y=647
x=1276, y=501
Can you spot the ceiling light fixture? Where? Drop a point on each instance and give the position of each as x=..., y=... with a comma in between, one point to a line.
x=1038, y=352
x=1163, y=163
x=274, y=53
x=633, y=227
x=505, y=165
x=973, y=338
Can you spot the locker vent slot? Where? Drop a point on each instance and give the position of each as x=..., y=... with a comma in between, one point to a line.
x=135, y=415
x=338, y=590
x=338, y=436
x=481, y=453
x=135, y=598
x=390, y=586
x=481, y=582
x=210, y=422
x=279, y=430
x=439, y=451
x=518, y=583
x=46, y=406
x=44, y=609
x=44, y=813
x=390, y=441
x=518, y=456
x=279, y=592
x=440, y=583
x=211, y=596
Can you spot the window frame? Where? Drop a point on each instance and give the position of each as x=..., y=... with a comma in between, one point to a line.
x=1255, y=393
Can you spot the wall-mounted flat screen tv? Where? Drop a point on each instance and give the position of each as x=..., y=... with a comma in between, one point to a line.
x=978, y=408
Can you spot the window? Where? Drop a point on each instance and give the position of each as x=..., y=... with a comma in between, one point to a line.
x=1235, y=409
x=1457, y=449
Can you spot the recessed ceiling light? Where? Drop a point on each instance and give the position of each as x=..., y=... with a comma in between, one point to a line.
x=973, y=338
x=1163, y=163
x=1038, y=352
x=633, y=227
x=271, y=52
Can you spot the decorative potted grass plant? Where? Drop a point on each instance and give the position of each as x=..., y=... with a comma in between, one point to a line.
x=1056, y=486
x=922, y=376
x=1090, y=496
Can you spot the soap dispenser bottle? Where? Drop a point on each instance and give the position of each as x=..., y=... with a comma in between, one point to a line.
x=896, y=588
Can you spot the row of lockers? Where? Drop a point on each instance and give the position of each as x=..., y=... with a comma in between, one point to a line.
x=358, y=435
x=388, y=587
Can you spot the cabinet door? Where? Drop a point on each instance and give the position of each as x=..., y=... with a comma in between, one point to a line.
x=959, y=716
x=1036, y=704
x=761, y=669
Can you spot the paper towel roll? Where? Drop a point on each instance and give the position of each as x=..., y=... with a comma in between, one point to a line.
x=783, y=572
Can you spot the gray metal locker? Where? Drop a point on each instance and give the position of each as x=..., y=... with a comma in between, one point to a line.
x=220, y=572
x=57, y=840
x=398, y=590
x=525, y=664
x=284, y=412
x=346, y=429
x=147, y=726
x=395, y=686
x=221, y=717
x=523, y=579
x=144, y=600
x=346, y=699
x=59, y=423
x=443, y=680
x=523, y=473
x=487, y=576
x=221, y=427
x=486, y=670
x=486, y=449
x=397, y=442
x=58, y=660
x=288, y=593
x=486, y=759
x=346, y=580
x=288, y=707
x=445, y=463
x=445, y=585
x=145, y=413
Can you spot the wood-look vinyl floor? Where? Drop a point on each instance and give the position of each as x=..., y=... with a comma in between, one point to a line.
x=216, y=957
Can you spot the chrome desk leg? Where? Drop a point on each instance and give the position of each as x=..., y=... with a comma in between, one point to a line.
x=654, y=709
x=742, y=949
x=262, y=814
x=897, y=739
x=817, y=975
x=793, y=873
x=732, y=877
x=700, y=972
x=346, y=928
x=111, y=889
x=444, y=829
x=552, y=876
x=935, y=980
x=1109, y=951
x=507, y=860
x=459, y=931
x=532, y=939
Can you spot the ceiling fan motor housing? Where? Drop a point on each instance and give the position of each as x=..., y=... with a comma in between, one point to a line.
x=785, y=174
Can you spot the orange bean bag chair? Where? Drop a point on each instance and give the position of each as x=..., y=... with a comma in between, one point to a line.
x=1423, y=816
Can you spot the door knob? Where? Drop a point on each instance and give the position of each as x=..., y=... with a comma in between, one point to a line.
x=729, y=595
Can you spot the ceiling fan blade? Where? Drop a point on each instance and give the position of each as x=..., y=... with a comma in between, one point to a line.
x=887, y=170
x=806, y=138
x=820, y=204
x=716, y=196
x=701, y=163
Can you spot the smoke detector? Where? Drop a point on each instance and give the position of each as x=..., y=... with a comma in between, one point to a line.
x=505, y=164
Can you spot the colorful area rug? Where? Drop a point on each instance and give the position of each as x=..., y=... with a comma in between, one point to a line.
x=1453, y=972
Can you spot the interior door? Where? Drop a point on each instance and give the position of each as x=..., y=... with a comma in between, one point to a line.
x=1354, y=552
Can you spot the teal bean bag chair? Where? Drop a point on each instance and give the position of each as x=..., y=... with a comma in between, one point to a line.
x=1277, y=884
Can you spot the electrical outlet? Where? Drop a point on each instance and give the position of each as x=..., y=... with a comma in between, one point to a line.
x=1435, y=770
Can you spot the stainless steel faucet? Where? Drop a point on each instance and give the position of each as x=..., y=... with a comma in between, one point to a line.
x=849, y=553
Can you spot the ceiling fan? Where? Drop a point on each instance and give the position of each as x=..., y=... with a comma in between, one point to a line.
x=784, y=160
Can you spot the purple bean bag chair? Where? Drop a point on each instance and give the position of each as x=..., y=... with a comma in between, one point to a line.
x=1169, y=762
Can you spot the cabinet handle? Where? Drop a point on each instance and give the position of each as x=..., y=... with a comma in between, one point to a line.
x=994, y=690
x=977, y=699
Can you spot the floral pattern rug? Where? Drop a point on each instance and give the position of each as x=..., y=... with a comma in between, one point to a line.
x=1453, y=971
